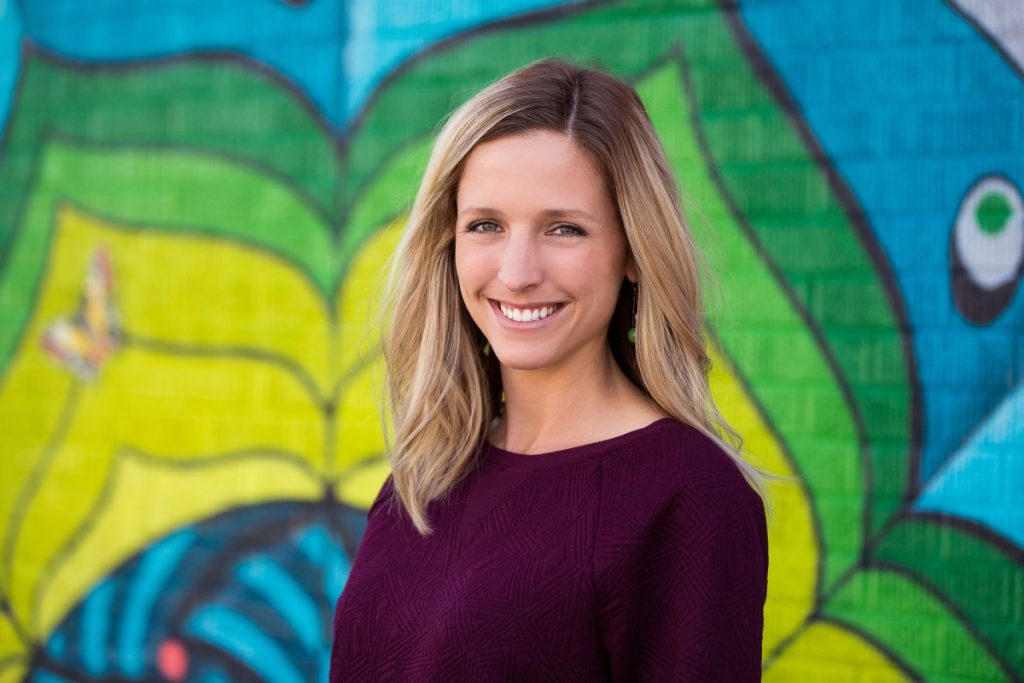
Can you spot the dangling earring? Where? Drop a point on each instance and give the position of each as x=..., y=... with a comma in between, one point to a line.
x=632, y=331
x=487, y=348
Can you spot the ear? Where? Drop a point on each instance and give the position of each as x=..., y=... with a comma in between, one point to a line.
x=631, y=270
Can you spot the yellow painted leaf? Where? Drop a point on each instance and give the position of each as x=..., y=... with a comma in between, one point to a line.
x=359, y=297
x=360, y=431
x=185, y=409
x=13, y=671
x=359, y=485
x=792, y=544
x=827, y=652
x=226, y=377
x=146, y=499
x=361, y=394
x=10, y=643
x=197, y=293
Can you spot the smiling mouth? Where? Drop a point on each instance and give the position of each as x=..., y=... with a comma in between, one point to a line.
x=527, y=314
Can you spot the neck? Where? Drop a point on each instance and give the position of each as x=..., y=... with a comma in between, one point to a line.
x=588, y=399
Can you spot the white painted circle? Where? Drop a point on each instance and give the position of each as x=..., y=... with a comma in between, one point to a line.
x=990, y=260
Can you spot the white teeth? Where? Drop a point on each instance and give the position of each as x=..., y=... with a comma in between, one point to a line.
x=526, y=314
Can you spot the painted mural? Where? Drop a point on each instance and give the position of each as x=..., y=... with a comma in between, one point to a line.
x=197, y=204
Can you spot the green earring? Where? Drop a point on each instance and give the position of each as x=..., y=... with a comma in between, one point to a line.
x=487, y=348
x=632, y=330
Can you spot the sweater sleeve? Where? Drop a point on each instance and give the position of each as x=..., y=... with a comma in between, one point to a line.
x=681, y=581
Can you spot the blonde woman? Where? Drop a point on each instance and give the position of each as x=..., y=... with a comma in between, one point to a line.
x=563, y=504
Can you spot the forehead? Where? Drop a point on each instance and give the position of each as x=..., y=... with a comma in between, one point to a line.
x=533, y=171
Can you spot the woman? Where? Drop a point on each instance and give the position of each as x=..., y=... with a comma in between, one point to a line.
x=567, y=510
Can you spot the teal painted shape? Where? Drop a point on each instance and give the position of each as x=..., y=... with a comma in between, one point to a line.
x=235, y=634
x=336, y=51
x=155, y=572
x=96, y=622
x=984, y=480
x=10, y=55
x=282, y=592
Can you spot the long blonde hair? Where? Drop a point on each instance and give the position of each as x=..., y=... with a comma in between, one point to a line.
x=442, y=391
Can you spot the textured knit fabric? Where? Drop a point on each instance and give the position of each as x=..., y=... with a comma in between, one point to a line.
x=643, y=557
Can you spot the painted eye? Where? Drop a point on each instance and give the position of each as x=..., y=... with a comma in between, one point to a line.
x=987, y=249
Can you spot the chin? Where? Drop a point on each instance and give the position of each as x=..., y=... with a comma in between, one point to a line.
x=523, y=361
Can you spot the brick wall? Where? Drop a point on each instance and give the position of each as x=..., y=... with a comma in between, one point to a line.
x=197, y=201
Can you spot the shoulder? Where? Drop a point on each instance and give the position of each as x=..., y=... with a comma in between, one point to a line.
x=669, y=457
x=673, y=476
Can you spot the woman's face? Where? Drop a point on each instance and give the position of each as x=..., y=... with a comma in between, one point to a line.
x=539, y=250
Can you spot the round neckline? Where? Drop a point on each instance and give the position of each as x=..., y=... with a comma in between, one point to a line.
x=505, y=458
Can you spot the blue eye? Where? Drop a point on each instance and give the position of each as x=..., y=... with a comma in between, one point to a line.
x=568, y=231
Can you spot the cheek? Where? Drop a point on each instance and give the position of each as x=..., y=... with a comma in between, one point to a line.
x=470, y=269
x=598, y=273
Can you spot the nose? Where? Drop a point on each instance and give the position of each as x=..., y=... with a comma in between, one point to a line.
x=520, y=266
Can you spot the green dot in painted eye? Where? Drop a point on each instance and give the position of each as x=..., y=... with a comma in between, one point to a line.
x=993, y=213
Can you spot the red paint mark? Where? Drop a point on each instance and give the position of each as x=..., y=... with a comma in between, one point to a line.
x=172, y=660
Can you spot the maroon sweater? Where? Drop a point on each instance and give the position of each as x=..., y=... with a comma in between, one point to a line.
x=643, y=557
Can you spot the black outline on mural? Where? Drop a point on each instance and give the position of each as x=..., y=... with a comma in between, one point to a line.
x=117, y=224
x=852, y=212
x=340, y=139
x=769, y=424
x=29, y=49
x=255, y=539
x=869, y=561
x=131, y=226
x=100, y=506
x=540, y=16
x=17, y=338
x=970, y=528
x=27, y=493
x=980, y=532
x=905, y=510
x=326, y=403
x=764, y=68
x=986, y=35
x=801, y=312
x=880, y=647
x=244, y=64
x=238, y=671
x=962, y=619
x=866, y=636
x=326, y=506
x=821, y=593
x=52, y=133
x=240, y=353
x=197, y=57
x=859, y=221
x=41, y=660
x=64, y=422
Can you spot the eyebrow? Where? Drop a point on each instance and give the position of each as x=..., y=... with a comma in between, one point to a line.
x=547, y=213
